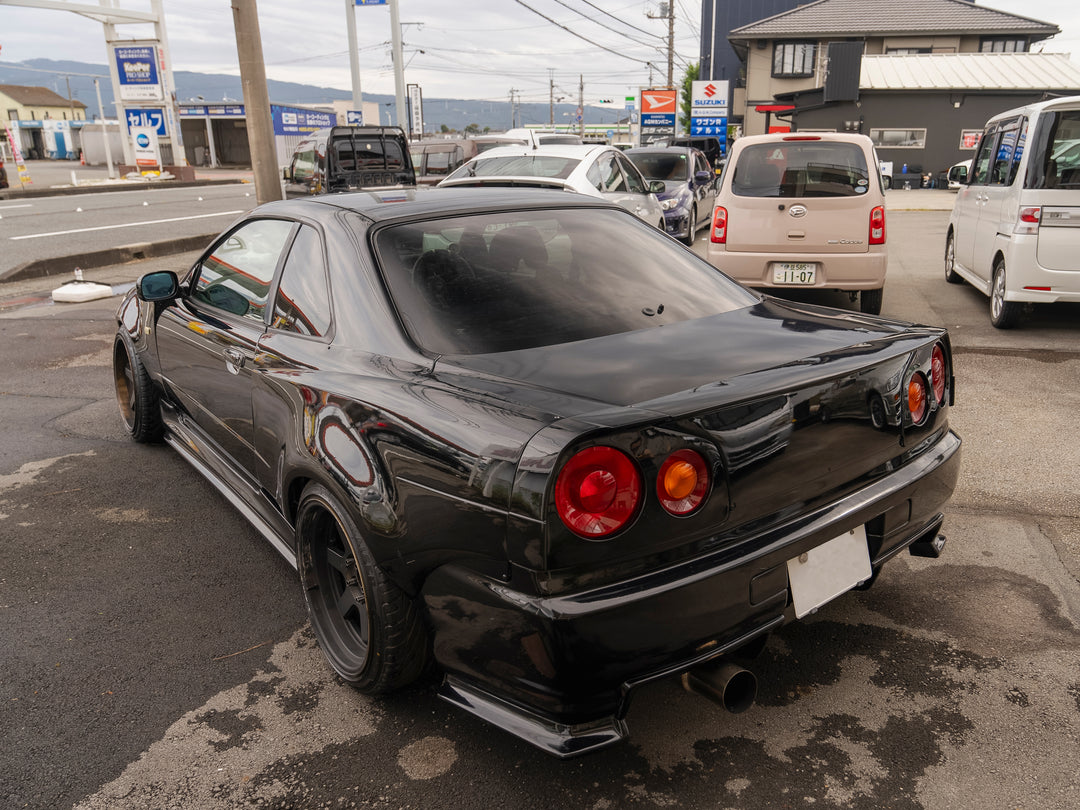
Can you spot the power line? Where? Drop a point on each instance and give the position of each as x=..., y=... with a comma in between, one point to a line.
x=579, y=36
x=608, y=27
x=642, y=30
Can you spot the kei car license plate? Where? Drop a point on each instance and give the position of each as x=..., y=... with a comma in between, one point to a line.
x=825, y=572
x=803, y=273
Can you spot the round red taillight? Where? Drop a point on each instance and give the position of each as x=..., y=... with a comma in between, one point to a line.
x=937, y=373
x=597, y=492
x=916, y=398
x=683, y=482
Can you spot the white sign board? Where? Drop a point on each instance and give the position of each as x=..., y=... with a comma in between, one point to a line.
x=137, y=72
x=709, y=98
x=416, y=110
x=145, y=141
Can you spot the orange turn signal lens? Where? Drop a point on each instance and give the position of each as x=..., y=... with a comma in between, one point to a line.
x=683, y=482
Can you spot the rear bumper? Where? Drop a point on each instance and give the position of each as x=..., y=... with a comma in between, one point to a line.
x=1024, y=272
x=835, y=271
x=558, y=671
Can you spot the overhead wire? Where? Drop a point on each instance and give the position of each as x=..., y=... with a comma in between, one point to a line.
x=579, y=36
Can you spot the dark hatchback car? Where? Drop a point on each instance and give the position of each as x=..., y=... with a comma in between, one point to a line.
x=522, y=436
x=689, y=186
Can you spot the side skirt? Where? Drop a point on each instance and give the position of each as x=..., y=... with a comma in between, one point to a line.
x=280, y=537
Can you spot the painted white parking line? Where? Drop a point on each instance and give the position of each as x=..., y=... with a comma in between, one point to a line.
x=124, y=225
x=22, y=205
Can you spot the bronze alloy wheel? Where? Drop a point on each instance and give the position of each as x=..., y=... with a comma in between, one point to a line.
x=135, y=394
x=368, y=629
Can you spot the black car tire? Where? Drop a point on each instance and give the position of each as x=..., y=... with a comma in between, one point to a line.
x=691, y=230
x=135, y=393
x=1003, y=314
x=370, y=631
x=951, y=275
x=870, y=301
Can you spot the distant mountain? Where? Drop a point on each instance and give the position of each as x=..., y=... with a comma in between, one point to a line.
x=194, y=87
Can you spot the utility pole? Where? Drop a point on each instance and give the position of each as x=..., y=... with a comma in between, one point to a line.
x=260, y=125
x=104, y=131
x=513, y=109
x=551, y=97
x=399, y=63
x=581, y=105
x=667, y=12
x=354, y=55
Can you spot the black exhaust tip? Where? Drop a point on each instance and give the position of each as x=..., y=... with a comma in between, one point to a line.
x=724, y=683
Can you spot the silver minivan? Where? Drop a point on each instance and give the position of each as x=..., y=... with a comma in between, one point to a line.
x=1014, y=233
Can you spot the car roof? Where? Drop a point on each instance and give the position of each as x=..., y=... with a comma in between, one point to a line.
x=795, y=137
x=409, y=203
x=1065, y=102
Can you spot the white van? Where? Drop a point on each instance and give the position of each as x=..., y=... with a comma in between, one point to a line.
x=1014, y=233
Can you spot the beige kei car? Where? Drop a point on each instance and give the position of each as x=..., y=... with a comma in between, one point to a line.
x=803, y=210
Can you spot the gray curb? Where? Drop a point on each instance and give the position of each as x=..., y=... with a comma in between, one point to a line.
x=104, y=258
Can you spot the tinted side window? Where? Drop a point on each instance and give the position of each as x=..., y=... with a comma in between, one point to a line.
x=980, y=167
x=1060, y=163
x=611, y=179
x=302, y=304
x=236, y=276
x=633, y=177
x=438, y=162
x=304, y=164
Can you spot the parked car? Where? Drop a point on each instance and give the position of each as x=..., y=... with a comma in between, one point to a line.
x=349, y=159
x=803, y=210
x=715, y=148
x=689, y=186
x=598, y=171
x=435, y=158
x=1014, y=232
x=524, y=437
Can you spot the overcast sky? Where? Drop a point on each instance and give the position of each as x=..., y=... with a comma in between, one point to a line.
x=472, y=49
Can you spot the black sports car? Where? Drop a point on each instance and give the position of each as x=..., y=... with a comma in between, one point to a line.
x=529, y=439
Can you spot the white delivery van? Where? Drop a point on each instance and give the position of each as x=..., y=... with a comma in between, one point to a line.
x=1014, y=233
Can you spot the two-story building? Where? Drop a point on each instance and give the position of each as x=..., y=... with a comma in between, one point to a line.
x=920, y=77
x=45, y=124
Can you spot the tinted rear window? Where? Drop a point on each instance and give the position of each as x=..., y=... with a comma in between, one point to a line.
x=801, y=169
x=518, y=166
x=483, y=146
x=662, y=165
x=507, y=281
x=357, y=153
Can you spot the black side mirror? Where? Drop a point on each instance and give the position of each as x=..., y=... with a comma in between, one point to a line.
x=657, y=186
x=160, y=286
x=702, y=178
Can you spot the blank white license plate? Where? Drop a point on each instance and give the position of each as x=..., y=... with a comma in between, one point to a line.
x=794, y=272
x=823, y=573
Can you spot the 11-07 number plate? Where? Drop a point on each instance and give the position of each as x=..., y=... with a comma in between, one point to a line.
x=801, y=273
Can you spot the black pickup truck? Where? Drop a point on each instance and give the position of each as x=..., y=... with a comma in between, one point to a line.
x=349, y=158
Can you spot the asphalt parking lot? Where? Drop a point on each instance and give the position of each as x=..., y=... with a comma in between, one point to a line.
x=157, y=651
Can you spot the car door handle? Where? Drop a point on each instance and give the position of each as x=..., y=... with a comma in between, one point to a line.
x=234, y=360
